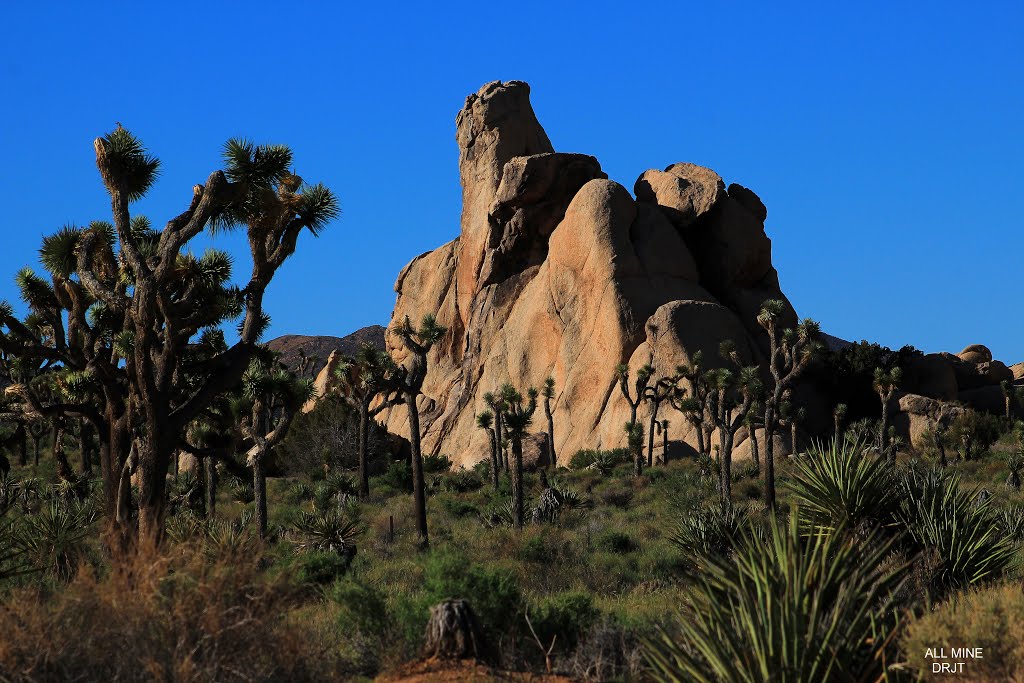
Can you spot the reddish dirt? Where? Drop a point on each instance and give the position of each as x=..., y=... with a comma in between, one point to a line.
x=471, y=672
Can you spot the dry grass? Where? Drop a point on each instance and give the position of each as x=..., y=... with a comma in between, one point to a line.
x=991, y=618
x=172, y=617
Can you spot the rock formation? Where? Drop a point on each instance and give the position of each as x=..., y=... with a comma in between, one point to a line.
x=559, y=271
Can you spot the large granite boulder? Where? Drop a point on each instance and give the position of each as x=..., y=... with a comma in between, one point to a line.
x=558, y=271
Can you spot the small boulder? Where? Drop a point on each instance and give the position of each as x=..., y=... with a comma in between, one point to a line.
x=535, y=451
x=975, y=353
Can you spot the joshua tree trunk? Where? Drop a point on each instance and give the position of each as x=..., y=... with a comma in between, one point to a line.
x=650, y=435
x=499, y=431
x=210, y=472
x=259, y=489
x=883, y=435
x=419, y=493
x=792, y=434
x=700, y=437
x=708, y=431
x=517, y=480
x=552, y=460
x=725, y=466
x=753, y=448
x=84, y=446
x=495, y=465
x=59, y=456
x=838, y=428
x=362, y=447
x=664, y=444
x=769, y=456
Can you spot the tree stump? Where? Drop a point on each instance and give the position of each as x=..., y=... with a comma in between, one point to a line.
x=453, y=632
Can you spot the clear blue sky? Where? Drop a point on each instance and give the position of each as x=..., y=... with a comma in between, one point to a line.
x=885, y=138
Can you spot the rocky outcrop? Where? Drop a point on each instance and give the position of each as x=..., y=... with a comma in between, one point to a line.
x=559, y=271
x=319, y=348
x=919, y=416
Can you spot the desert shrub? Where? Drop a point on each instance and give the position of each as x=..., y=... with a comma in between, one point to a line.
x=847, y=375
x=459, y=508
x=398, y=476
x=335, y=491
x=973, y=433
x=173, y=618
x=563, y=619
x=494, y=594
x=362, y=608
x=539, y=548
x=433, y=464
x=618, y=495
x=989, y=618
x=826, y=598
x=954, y=530
x=838, y=485
x=461, y=480
x=328, y=435
x=607, y=652
x=320, y=568
x=615, y=541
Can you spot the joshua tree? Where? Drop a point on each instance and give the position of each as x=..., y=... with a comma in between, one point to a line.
x=796, y=417
x=656, y=394
x=410, y=382
x=886, y=383
x=271, y=398
x=134, y=300
x=732, y=397
x=939, y=439
x=1007, y=398
x=839, y=417
x=518, y=418
x=634, y=398
x=485, y=421
x=663, y=428
x=694, y=403
x=497, y=407
x=635, y=442
x=790, y=352
x=752, y=421
x=372, y=374
x=548, y=392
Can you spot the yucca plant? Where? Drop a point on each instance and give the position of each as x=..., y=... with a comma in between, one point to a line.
x=502, y=515
x=328, y=531
x=838, y=485
x=1011, y=523
x=14, y=559
x=55, y=538
x=786, y=608
x=1015, y=463
x=709, y=531
x=956, y=529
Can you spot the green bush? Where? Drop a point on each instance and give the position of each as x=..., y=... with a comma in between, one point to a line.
x=616, y=542
x=432, y=464
x=320, y=568
x=494, y=594
x=709, y=531
x=362, y=608
x=459, y=508
x=398, y=476
x=603, y=461
x=563, y=619
x=973, y=433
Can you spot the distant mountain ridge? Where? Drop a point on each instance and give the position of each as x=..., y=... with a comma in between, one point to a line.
x=319, y=348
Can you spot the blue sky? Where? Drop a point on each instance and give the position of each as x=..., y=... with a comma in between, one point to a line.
x=885, y=138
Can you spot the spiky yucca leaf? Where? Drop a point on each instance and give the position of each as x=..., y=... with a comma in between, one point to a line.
x=130, y=165
x=837, y=485
x=786, y=608
x=957, y=530
x=317, y=207
x=328, y=531
x=58, y=251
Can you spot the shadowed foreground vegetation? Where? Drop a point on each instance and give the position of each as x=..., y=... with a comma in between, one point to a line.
x=627, y=578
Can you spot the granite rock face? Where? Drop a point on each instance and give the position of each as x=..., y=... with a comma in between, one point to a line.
x=559, y=271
